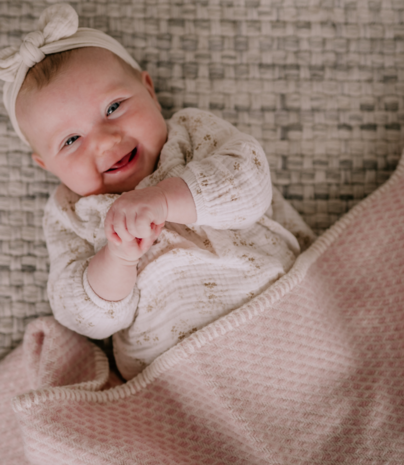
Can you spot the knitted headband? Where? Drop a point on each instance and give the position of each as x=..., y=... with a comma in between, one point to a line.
x=58, y=31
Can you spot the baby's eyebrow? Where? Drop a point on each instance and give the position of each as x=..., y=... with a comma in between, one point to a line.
x=114, y=89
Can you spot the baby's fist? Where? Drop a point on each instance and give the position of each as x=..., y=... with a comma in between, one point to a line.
x=135, y=214
x=131, y=251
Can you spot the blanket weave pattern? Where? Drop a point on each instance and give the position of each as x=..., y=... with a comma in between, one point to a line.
x=309, y=372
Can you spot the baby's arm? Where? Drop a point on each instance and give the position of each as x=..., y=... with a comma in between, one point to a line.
x=112, y=272
x=73, y=302
x=227, y=171
x=231, y=188
x=133, y=223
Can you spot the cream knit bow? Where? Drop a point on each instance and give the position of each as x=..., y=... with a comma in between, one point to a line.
x=58, y=31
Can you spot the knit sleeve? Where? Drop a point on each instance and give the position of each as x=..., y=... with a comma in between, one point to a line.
x=73, y=302
x=227, y=173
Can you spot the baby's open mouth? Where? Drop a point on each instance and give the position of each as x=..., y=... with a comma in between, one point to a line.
x=123, y=161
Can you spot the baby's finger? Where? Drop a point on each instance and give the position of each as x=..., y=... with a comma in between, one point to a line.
x=120, y=228
x=145, y=244
x=140, y=226
x=131, y=225
x=110, y=233
x=157, y=228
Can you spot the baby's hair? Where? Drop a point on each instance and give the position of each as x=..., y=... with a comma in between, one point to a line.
x=45, y=71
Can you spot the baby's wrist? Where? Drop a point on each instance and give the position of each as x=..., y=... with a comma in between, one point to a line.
x=180, y=203
x=112, y=256
x=111, y=277
x=164, y=202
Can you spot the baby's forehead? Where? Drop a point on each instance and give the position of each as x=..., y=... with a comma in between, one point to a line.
x=87, y=57
x=60, y=65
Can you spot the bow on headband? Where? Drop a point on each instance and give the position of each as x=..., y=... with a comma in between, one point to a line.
x=58, y=31
x=56, y=22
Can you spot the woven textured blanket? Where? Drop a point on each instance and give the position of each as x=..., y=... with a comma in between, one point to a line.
x=309, y=372
x=320, y=84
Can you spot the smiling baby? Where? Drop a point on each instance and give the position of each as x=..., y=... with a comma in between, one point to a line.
x=158, y=228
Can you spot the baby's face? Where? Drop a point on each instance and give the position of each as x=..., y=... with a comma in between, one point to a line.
x=96, y=126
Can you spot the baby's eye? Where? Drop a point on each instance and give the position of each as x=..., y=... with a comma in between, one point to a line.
x=112, y=108
x=71, y=140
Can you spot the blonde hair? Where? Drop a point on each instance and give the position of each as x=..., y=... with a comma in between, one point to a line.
x=45, y=71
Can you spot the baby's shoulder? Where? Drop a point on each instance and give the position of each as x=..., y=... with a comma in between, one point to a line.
x=194, y=118
x=58, y=207
x=202, y=126
x=189, y=112
x=61, y=199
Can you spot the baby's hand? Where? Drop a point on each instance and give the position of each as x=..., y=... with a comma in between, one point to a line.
x=134, y=222
x=130, y=251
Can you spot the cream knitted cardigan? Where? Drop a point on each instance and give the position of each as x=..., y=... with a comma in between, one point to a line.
x=193, y=274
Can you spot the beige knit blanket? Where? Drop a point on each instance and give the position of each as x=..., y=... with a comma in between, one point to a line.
x=309, y=372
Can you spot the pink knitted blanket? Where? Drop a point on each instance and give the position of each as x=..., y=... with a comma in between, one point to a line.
x=309, y=372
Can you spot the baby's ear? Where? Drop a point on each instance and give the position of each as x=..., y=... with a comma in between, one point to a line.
x=148, y=83
x=38, y=160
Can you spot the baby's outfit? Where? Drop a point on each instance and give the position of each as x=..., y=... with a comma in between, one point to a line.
x=193, y=274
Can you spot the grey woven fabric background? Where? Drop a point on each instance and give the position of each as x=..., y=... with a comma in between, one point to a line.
x=320, y=83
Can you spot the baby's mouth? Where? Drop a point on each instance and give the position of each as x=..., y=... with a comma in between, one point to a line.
x=123, y=161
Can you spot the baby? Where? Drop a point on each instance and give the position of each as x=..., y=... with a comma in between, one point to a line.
x=158, y=228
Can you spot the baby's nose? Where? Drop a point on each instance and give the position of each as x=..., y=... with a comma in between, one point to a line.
x=106, y=139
